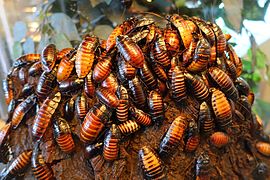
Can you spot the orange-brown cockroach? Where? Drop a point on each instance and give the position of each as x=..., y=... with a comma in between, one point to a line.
x=81, y=107
x=110, y=83
x=102, y=69
x=22, y=109
x=122, y=108
x=129, y=127
x=63, y=53
x=35, y=69
x=178, y=84
x=63, y=136
x=151, y=164
x=66, y=66
x=193, y=137
x=188, y=54
x=172, y=39
x=242, y=86
x=69, y=109
x=26, y=59
x=140, y=116
x=174, y=63
x=219, y=139
x=111, y=143
x=130, y=51
x=231, y=69
x=137, y=92
x=44, y=115
x=236, y=60
x=221, y=108
x=220, y=39
x=263, y=148
x=86, y=55
x=107, y=97
x=125, y=70
x=89, y=85
x=147, y=77
x=213, y=56
x=251, y=97
x=152, y=34
x=8, y=88
x=4, y=132
x=70, y=86
x=111, y=41
x=17, y=166
x=48, y=57
x=156, y=107
x=158, y=70
x=205, y=119
x=139, y=35
x=203, y=167
x=174, y=135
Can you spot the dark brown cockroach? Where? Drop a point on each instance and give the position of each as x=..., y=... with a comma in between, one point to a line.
x=172, y=39
x=26, y=59
x=125, y=70
x=236, y=60
x=199, y=89
x=93, y=150
x=81, y=107
x=174, y=63
x=89, y=85
x=17, y=166
x=39, y=167
x=201, y=56
x=189, y=53
x=44, y=115
x=156, y=107
x=263, y=148
x=158, y=70
x=111, y=41
x=66, y=66
x=111, y=143
x=102, y=69
x=110, y=83
x=219, y=139
x=23, y=75
x=242, y=86
x=221, y=108
x=130, y=51
x=62, y=53
x=178, y=86
x=230, y=69
x=27, y=90
x=192, y=138
x=220, y=39
x=137, y=92
x=213, y=56
x=243, y=106
x=69, y=109
x=140, y=116
x=222, y=80
x=122, y=108
x=5, y=153
x=162, y=87
x=63, y=136
x=4, y=132
x=129, y=127
x=85, y=55
x=147, y=77
x=8, y=88
x=48, y=57
x=35, y=69
x=174, y=135
x=139, y=35
x=152, y=34
x=202, y=167
x=11, y=108
x=107, y=97
x=151, y=164
x=71, y=86
x=206, y=122
x=22, y=109
x=46, y=84
x=129, y=24
x=94, y=122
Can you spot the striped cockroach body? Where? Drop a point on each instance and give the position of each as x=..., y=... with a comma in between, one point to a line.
x=111, y=143
x=48, y=57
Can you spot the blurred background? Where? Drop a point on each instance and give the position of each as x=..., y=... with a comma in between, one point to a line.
x=27, y=26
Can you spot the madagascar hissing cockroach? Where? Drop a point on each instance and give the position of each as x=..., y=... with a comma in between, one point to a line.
x=48, y=57
x=44, y=115
x=243, y=106
x=93, y=150
x=107, y=97
x=202, y=167
x=172, y=39
x=220, y=39
x=26, y=59
x=156, y=107
x=8, y=88
x=10, y=109
x=125, y=70
x=219, y=139
x=189, y=52
x=69, y=109
x=178, y=85
x=27, y=90
x=148, y=77
x=174, y=63
x=242, y=86
x=137, y=92
x=63, y=52
x=81, y=105
x=139, y=35
x=236, y=60
x=263, y=148
x=152, y=33
x=110, y=83
x=111, y=41
x=129, y=127
x=230, y=69
x=111, y=143
x=140, y=116
x=102, y=69
x=89, y=85
x=151, y=164
x=35, y=69
x=71, y=86
x=4, y=133
x=158, y=70
x=206, y=121
x=192, y=138
x=66, y=66
x=122, y=108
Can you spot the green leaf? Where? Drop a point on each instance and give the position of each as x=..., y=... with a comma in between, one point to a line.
x=180, y=3
x=256, y=76
x=246, y=65
x=19, y=30
x=260, y=59
x=44, y=41
x=17, y=50
x=63, y=24
x=29, y=46
x=61, y=41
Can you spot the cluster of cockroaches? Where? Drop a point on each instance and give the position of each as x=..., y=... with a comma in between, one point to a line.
x=128, y=76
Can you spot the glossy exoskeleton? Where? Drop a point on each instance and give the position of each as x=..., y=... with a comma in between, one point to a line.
x=102, y=69
x=89, y=85
x=156, y=107
x=110, y=83
x=192, y=138
x=8, y=88
x=206, y=121
x=242, y=86
x=69, y=109
x=27, y=90
x=111, y=143
x=122, y=108
x=148, y=77
x=137, y=92
x=111, y=41
x=202, y=167
x=71, y=86
x=35, y=69
x=81, y=106
x=178, y=85
x=125, y=70
x=107, y=97
x=140, y=116
x=93, y=150
x=129, y=127
x=219, y=139
x=48, y=57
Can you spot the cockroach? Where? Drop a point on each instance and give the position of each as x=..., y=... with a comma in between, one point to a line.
x=22, y=109
x=219, y=139
x=125, y=70
x=61, y=54
x=63, y=136
x=251, y=97
x=17, y=166
x=111, y=41
x=81, y=107
x=39, y=167
x=94, y=122
x=162, y=88
x=23, y=75
x=159, y=71
x=107, y=97
x=85, y=55
x=123, y=107
x=130, y=51
x=26, y=59
x=174, y=135
x=152, y=34
x=213, y=56
x=48, y=57
x=137, y=92
x=174, y=63
x=236, y=60
x=69, y=109
x=89, y=85
x=111, y=143
x=231, y=69
x=4, y=132
x=220, y=39
x=129, y=127
x=178, y=86
x=222, y=80
x=206, y=121
x=27, y=90
x=244, y=106
x=102, y=69
x=35, y=69
x=9, y=88
x=189, y=53
x=11, y=108
x=66, y=66
x=192, y=139
x=44, y=115
x=71, y=86
x=93, y=150
x=263, y=148
x=221, y=108
x=143, y=22
x=200, y=90
x=156, y=107
x=140, y=116
x=202, y=167
x=151, y=164
x=138, y=36
x=5, y=153
x=172, y=39
x=110, y=83
x=147, y=77
x=242, y=86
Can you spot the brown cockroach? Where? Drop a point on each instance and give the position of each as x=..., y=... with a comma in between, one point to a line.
x=205, y=120
x=158, y=69
x=66, y=66
x=69, y=109
x=26, y=60
x=139, y=35
x=125, y=70
x=89, y=85
x=129, y=127
x=35, y=69
x=111, y=143
x=242, y=86
x=188, y=54
x=140, y=116
x=81, y=107
x=110, y=83
x=231, y=69
x=63, y=52
x=107, y=97
x=178, y=84
x=219, y=139
x=172, y=39
x=122, y=108
x=137, y=92
x=235, y=59
x=192, y=138
x=48, y=57
x=111, y=41
x=71, y=86
x=147, y=77
x=9, y=88
x=156, y=107
x=102, y=69
x=220, y=39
